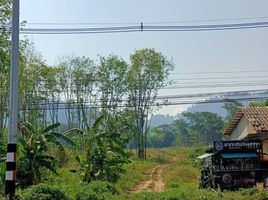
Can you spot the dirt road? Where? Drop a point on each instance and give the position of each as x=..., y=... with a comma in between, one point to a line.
x=155, y=181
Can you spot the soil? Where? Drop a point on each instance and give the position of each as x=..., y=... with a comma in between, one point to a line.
x=154, y=181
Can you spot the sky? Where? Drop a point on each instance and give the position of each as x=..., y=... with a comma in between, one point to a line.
x=215, y=52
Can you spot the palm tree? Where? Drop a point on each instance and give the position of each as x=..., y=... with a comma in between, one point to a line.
x=33, y=151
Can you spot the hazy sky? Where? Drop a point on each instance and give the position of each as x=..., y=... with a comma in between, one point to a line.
x=214, y=51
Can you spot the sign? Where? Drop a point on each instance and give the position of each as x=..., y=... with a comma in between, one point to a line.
x=237, y=145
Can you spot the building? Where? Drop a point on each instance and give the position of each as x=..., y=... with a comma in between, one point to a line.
x=249, y=123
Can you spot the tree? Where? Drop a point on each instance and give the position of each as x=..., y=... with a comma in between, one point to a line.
x=147, y=74
x=181, y=129
x=33, y=151
x=205, y=127
x=231, y=106
x=262, y=103
x=112, y=81
x=5, y=19
x=78, y=84
x=162, y=136
x=30, y=84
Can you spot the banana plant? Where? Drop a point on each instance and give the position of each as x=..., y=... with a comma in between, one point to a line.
x=103, y=153
x=34, y=144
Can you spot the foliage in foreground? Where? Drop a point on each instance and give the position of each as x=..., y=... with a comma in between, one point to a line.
x=180, y=177
x=105, y=191
x=33, y=152
x=103, y=153
x=43, y=192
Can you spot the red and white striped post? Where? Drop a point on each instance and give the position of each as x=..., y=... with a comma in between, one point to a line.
x=13, y=104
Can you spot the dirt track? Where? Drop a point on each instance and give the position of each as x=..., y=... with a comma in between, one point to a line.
x=154, y=183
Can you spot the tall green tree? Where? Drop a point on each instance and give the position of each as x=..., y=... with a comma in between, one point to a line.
x=148, y=73
x=78, y=83
x=181, y=129
x=5, y=19
x=112, y=82
x=231, y=106
x=205, y=126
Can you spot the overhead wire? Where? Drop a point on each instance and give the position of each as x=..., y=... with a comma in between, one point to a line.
x=144, y=28
x=218, y=78
x=166, y=97
x=76, y=105
x=220, y=72
x=149, y=22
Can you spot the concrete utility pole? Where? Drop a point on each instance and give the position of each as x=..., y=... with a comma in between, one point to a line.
x=13, y=104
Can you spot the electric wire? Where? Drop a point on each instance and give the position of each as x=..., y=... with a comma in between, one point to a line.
x=149, y=22
x=163, y=97
x=220, y=72
x=144, y=28
x=75, y=105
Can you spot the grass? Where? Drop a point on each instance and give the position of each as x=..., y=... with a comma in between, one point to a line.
x=181, y=177
x=137, y=169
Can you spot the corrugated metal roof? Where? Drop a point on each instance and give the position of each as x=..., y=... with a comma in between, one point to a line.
x=205, y=156
x=257, y=117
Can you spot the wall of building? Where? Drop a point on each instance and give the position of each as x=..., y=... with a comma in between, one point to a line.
x=241, y=130
x=265, y=145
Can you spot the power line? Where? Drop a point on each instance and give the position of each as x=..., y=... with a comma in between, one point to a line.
x=221, y=72
x=197, y=86
x=164, y=97
x=143, y=28
x=217, y=78
x=86, y=106
x=149, y=22
x=188, y=83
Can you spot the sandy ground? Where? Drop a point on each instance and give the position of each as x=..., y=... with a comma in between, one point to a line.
x=154, y=182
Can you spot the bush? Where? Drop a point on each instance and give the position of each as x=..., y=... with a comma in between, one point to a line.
x=249, y=191
x=101, y=186
x=153, y=196
x=43, y=192
x=96, y=190
x=91, y=195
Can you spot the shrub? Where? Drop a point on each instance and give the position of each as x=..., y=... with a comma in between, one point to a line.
x=100, y=187
x=86, y=195
x=43, y=192
x=154, y=196
x=249, y=191
x=91, y=195
x=95, y=190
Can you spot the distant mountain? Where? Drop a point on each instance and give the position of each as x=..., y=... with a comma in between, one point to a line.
x=218, y=107
x=209, y=107
x=160, y=119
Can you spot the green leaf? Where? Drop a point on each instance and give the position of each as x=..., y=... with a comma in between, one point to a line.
x=51, y=127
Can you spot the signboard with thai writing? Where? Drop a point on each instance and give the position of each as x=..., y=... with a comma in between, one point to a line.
x=237, y=145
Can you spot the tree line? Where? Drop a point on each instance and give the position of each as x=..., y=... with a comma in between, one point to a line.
x=107, y=104
x=192, y=129
x=84, y=88
x=196, y=128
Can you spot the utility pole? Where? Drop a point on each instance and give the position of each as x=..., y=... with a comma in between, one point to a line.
x=13, y=104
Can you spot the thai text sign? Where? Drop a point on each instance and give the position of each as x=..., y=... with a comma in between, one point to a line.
x=237, y=145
